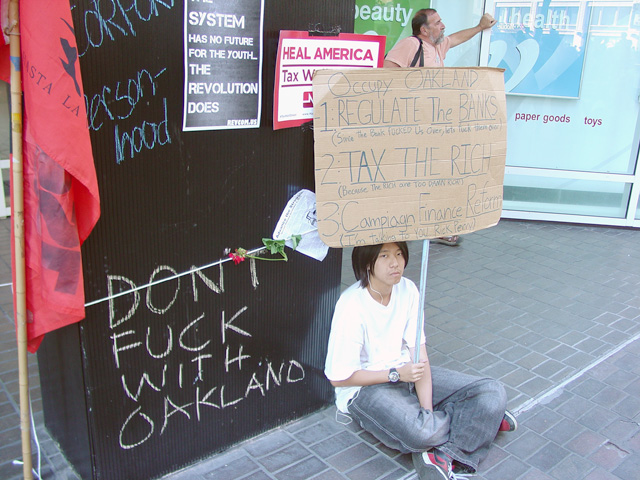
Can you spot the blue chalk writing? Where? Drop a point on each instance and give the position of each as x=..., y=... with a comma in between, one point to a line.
x=118, y=102
x=146, y=136
x=111, y=19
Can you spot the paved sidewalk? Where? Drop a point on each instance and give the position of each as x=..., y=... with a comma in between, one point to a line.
x=552, y=310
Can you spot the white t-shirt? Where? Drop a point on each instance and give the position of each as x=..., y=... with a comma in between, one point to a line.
x=366, y=335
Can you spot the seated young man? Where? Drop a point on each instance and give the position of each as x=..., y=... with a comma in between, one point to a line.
x=445, y=419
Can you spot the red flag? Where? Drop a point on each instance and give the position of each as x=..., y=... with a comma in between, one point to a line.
x=61, y=201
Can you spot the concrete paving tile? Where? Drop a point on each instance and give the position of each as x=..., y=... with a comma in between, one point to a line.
x=335, y=444
x=597, y=418
x=572, y=466
x=485, y=360
x=608, y=396
x=305, y=422
x=526, y=445
x=608, y=456
x=563, y=431
x=601, y=474
x=302, y=470
x=579, y=360
x=572, y=338
x=615, y=337
x=535, y=474
x=561, y=352
x=397, y=474
x=530, y=316
x=494, y=457
x=518, y=377
x=529, y=338
x=61, y=467
x=234, y=469
x=535, y=386
x=633, y=388
x=621, y=431
x=549, y=368
x=623, y=325
x=499, y=370
x=621, y=378
x=598, y=330
x=548, y=457
x=589, y=345
x=375, y=467
x=259, y=475
x=266, y=444
x=586, y=443
x=351, y=457
x=628, y=407
x=542, y=420
x=545, y=345
x=499, y=346
x=632, y=313
x=531, y=360
x=515, y=353
x=328, y=475
x=562, y=375
x=317, y=432
x=510, y=467
x=9, y=471
x=451, y=346
x=514, y=398
x=288, y=455
x=608, y=318
x=556, y=398
x=602, y=370
x=467, y=353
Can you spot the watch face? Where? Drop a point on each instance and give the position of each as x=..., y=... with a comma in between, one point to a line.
x=394, y=376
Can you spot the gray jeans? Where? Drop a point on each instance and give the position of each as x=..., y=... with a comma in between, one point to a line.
x=466, y=417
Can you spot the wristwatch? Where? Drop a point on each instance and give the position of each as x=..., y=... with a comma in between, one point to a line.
x=394, y=376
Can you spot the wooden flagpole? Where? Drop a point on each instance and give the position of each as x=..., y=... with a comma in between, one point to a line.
x=17, y=194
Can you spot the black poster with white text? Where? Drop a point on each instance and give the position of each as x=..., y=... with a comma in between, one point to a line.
x=222, y=64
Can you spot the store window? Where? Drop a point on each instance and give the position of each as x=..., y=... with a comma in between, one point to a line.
x=572, y=77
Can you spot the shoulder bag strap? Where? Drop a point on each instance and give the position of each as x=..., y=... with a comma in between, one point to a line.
x=419, y=55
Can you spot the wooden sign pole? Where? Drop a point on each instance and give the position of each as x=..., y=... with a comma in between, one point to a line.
x=423, y=289
x=18, y=233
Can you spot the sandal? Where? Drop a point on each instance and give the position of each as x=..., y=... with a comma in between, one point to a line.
x=452, y=241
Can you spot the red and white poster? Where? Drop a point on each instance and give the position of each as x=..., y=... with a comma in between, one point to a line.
x=300, y=55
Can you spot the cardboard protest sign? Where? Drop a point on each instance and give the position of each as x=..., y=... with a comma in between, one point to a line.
x=408, y=154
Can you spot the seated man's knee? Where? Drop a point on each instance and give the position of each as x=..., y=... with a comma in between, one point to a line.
x=494, y=394
x=430, y=430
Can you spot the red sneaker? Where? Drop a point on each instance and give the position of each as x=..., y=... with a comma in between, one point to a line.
x=432, y=465
x=509, y=422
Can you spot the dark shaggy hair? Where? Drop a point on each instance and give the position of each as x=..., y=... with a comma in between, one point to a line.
x=421, y=18
x=364, y=259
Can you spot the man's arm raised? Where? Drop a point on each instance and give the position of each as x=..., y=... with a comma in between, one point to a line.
x=486, y=22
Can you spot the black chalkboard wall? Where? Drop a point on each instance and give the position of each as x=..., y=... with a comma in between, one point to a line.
x=152, y=382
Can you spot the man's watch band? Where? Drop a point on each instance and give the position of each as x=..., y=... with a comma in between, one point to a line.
x=394, y=376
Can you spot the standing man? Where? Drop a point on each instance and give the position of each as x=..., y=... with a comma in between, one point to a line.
x=428, y=47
